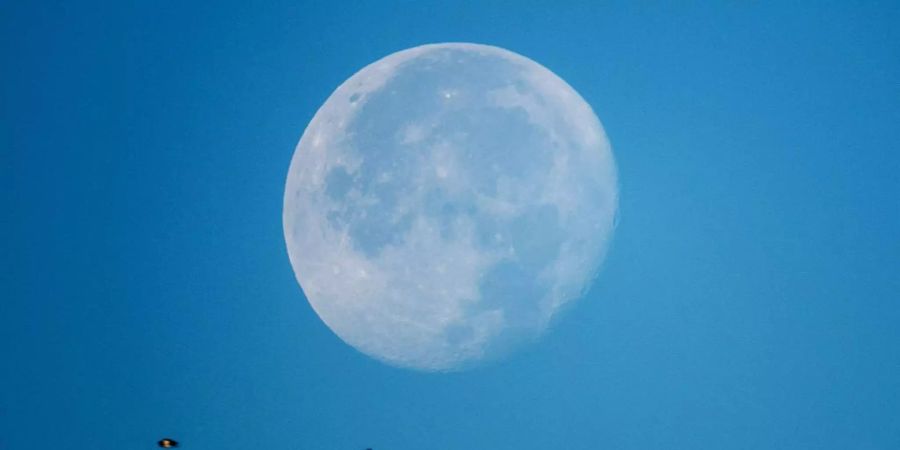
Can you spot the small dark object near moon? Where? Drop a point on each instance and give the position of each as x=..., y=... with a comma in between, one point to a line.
x=167, y=443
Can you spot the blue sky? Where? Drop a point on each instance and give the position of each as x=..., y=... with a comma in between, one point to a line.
x=750, y=298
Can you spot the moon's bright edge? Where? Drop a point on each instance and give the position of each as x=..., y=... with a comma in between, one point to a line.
x=446, y=202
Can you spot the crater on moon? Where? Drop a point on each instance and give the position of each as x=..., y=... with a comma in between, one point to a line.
x=445, y=202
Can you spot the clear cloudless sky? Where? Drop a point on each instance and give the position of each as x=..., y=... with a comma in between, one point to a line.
x=750, y=299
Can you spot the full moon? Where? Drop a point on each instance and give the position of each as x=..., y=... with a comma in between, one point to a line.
x=446, y=202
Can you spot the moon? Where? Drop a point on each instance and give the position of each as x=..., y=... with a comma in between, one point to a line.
x=446, y=202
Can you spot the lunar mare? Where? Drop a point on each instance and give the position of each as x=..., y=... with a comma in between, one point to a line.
x=446, y=202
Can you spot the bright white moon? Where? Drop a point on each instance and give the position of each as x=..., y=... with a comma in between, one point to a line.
x=446, y=202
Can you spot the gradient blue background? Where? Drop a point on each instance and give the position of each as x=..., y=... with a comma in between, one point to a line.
x=750, y=299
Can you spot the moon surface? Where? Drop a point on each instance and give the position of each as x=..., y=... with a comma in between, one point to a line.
x=446, y=202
